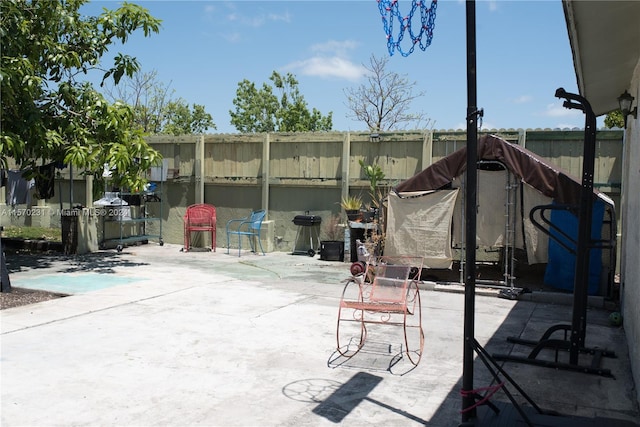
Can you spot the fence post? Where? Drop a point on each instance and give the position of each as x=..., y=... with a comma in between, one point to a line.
x=346, y=157
x=266, y=157
x=88, y=188
x=522, y=138
x=427, y=150
x=199, y=166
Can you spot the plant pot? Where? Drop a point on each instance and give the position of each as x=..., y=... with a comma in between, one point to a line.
x=354, y=215
x=368, y=215
x=332, y=250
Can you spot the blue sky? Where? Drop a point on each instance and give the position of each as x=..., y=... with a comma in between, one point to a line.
x=205, y=48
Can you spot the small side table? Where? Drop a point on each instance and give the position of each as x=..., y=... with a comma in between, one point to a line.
x=358, y=231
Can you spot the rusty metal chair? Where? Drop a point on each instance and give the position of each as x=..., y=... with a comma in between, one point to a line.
x=199, y=217
x=385, y=293
x=249, y=227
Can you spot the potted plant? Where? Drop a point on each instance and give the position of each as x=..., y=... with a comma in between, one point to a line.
x=374, y=174
x=351, y=206
x=332, y=247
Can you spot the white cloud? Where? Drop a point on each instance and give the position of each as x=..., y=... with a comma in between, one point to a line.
x=257, y=21
x=251, y=21
x=329, y=67
x=522, y=99
x=568, y=126
x=238, y=20
x=557, y=110
x=234, y=37
x=285, y=17
x=330, y=60
x=340, y=48
x=486, y=126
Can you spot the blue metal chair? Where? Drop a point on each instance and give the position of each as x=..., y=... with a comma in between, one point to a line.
x=249, y=226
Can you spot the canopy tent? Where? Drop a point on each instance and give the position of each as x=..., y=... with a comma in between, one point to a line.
x=425, y=214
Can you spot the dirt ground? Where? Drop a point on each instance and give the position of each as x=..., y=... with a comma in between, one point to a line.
x=20, y=296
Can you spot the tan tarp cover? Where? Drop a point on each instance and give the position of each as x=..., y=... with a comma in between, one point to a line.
x=544, y=183
x=491, y=216
x=421, y=226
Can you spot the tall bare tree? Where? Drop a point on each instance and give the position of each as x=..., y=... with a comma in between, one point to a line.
x=384, y=101
x=155, y=109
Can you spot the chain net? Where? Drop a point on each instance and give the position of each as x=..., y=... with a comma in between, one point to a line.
x=390, y=12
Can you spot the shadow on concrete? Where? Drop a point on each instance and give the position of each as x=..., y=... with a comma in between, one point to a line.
x=349, y=395
x=336, y=401
x=530, y=395
x=511, y=393
x=14, y=244
x=509, y=417
x=373, y=356
x=95, y=262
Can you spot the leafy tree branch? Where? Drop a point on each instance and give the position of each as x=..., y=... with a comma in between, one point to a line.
x=48, y=113
x=260, y=110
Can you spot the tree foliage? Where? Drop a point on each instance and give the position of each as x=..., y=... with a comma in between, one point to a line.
x=384, y=101
x=155, y=109
x=48, y=112
x=260, y=110
x=614, y=120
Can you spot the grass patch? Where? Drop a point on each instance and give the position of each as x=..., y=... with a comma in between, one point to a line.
x=33, y=233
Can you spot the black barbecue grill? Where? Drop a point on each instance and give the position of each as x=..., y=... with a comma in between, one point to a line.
x=312, y=223
x=307, y=220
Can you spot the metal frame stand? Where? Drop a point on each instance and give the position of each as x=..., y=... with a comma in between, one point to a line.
x=575, y=342
x=468, y=400
x=470, y=397
x=496, y=370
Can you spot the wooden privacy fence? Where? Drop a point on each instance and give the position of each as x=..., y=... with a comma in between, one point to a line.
x=291, y=173
x=288, y=174
x=332, y=160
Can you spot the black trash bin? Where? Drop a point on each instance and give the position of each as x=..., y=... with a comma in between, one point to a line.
x=332, y=250
x=69, y=218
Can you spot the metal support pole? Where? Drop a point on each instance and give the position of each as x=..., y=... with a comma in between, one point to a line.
x=585, y=216
x=470, y=209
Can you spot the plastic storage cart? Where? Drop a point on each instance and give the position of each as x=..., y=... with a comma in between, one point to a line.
x=131, y=228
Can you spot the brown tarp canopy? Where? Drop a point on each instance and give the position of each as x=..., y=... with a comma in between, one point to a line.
x=411, y=209
x=527, y=166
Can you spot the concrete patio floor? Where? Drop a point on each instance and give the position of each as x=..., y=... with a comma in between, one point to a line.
x=168, y=338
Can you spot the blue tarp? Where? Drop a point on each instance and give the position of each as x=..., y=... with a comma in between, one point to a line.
x=560, y=272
